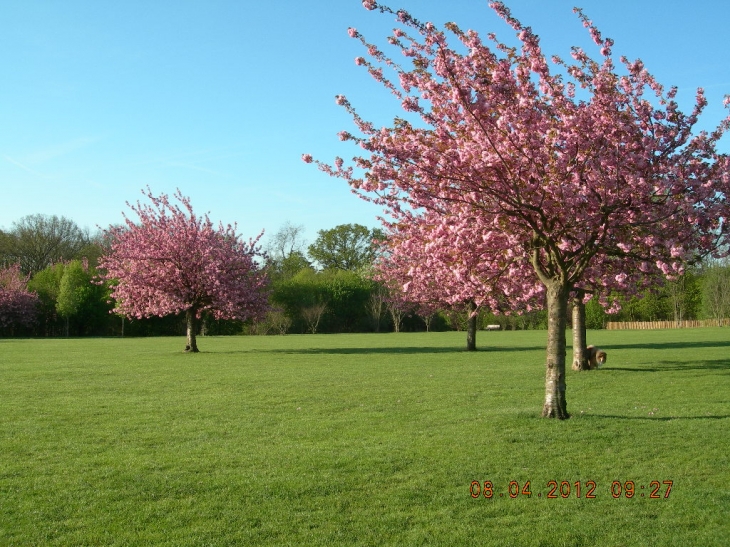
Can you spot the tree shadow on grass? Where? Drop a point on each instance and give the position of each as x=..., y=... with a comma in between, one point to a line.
x=655, y=418
x=404, y=350
x=676, y=366
x=346, y=351
x=364, y=351
x=672, y=345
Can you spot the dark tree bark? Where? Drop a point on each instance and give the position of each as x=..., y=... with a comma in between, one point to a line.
x=555, y=405
x=192, y=325
x=580, y=355
x=471, y=327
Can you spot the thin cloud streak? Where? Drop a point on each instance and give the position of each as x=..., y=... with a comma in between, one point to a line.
x=23, y=167
x=59, y=150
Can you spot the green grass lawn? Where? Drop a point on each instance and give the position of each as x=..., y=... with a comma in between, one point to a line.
x=362, y=440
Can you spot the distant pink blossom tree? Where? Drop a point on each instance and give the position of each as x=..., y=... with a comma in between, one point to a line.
x=442, y=257
x=590, y=171
x=18, y=305
x=397, y=303
x=427, y=311
x=172, y=261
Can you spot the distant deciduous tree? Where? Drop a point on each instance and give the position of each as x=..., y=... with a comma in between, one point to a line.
x=376, y=304
x=685, y=296
x=171, y=261
x=75, y=283
x=285, y=252
x=716, y=291
x=7, y=257
x=37, y=241
x=286, y=241
x=286, y=268
x=313, y=315
x=596, y=316
x=47, y=283
x=345, y=247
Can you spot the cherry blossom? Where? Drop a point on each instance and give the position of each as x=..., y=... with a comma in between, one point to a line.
x=172, y=261
x=593, y=190
x=18, y=305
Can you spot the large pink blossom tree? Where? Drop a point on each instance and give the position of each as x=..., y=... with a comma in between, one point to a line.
x=173, y=261
x=588, y=167
x=18, y=305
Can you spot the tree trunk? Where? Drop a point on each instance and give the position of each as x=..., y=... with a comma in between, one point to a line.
x=471, y=327
x=580, y=354
x=397, y=316
x=192, y=345
x=375, y=306
x=428, y=320
x=556, y=405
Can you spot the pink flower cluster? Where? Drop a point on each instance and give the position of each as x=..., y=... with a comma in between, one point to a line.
x=449, y=260
x=590, y=194
x=18, y=305
x=513, y=181
x=171, y=261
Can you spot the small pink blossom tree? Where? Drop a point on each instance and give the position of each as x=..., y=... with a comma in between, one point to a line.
x=590, y=171
x=397, y=303
x=18, y=305
x=443, y=257
x=173, y=261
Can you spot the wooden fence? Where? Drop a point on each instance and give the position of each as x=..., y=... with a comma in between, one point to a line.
x=645, y=325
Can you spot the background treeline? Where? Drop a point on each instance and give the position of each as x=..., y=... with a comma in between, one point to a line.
x=325, y=287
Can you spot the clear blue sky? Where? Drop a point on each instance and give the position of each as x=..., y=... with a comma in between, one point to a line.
x=220, y=98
